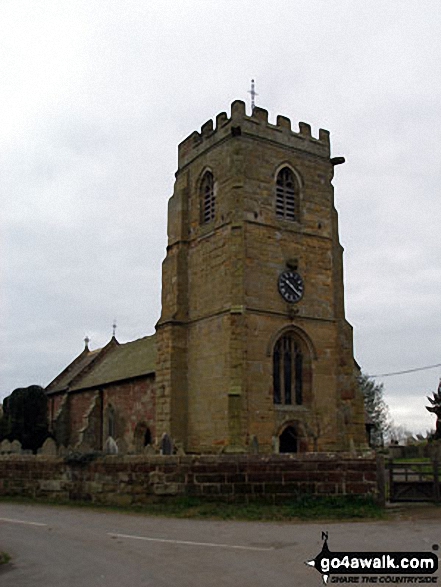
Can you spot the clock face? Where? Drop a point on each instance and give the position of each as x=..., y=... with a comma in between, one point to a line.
x=291, y=286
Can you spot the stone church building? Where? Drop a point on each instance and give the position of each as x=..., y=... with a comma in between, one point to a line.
x=252, y=350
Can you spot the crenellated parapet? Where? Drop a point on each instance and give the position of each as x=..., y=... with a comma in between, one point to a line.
x=256, y=126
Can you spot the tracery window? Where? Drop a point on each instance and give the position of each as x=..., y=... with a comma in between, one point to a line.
x=288, y=371
x=287, y=195
x=208, y=200
x=111, y=421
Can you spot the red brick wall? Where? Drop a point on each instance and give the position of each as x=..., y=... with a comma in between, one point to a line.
x=79, y=405
x=138, y=480
x=134, y=402
x=54, y=403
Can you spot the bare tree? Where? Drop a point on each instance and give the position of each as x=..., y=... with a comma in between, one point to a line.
x=435, y=408
x=376, y=409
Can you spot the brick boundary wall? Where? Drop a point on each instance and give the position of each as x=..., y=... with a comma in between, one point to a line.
x=130, y=480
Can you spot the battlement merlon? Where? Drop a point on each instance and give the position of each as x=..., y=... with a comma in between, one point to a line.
x=256, y=125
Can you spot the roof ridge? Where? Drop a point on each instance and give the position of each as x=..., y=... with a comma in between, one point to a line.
x=84, y=353
x=137, y=339
x=132, y=359
x=112, y=344
x=113, y=362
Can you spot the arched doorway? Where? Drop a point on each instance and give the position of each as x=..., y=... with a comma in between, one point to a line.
x=142, y=436
x=147, y=437
x=288, y=440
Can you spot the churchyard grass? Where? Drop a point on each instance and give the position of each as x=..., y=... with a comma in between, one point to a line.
x=425, y=468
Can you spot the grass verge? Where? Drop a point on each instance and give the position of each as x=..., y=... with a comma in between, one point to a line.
x=302, y=508
x=4, y=558
x=412, y=460
x=423, y=465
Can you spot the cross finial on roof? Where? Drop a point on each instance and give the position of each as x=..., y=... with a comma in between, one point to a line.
x=86, y=342
x=253, y=95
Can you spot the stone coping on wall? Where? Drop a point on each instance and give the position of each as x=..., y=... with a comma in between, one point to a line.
x=188, y=459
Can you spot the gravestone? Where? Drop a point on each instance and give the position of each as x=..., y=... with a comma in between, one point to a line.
x=179, y=449
x=84, y=447
x=121, y=446
x=5, y=447
x=63, y=451
x=166, y=445
x=49, y=448
x=254, y=445
x=110, y=448
x=15, y=447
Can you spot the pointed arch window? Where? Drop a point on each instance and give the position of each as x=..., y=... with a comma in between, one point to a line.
x=287, y=195
x=208, y=200
x=111, y=421
x=288, y=371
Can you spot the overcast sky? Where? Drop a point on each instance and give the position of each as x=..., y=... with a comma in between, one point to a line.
x=95, y=96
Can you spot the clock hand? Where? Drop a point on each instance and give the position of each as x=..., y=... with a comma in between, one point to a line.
x=295, y=290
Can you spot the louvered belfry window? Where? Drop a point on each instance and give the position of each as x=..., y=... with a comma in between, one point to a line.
x=208, y=199
x=287, y=195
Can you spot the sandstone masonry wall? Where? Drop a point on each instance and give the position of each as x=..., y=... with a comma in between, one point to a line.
x=114, y=480
x=222, y=312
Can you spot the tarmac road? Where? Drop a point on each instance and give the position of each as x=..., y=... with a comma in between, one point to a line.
x=71, y=547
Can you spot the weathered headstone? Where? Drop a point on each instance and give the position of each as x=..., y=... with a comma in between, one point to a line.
x=5, y=446
x=166, y=445
x=49, y=448
x=110, y=448
x=16, y=447
x=179, y=449
x=84, y=447
x=121, y=446
x=63, y=451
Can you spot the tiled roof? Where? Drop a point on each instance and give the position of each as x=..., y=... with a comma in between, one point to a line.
x=123, y=361
x=114, y=362
x=62, y=380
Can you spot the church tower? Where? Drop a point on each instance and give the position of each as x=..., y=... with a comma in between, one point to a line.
x=253, y=349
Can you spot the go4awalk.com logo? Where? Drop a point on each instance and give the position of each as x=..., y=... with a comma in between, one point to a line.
x=388, y=567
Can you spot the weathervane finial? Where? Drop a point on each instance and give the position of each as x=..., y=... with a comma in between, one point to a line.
x=114, y=328
x=253, y=94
